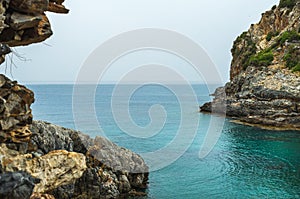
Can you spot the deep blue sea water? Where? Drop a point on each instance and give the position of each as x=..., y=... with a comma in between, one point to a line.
x=246, y=162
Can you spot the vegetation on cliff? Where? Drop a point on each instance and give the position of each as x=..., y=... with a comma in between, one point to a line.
x=287, y=3
x=275, y=40
x=263, y=58
x=264, y=90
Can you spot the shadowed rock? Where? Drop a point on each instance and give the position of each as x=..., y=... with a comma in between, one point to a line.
x=17, y=185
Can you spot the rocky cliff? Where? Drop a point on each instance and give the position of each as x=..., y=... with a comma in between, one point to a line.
x=264, y=87
x=42, y=160
x=25, y=22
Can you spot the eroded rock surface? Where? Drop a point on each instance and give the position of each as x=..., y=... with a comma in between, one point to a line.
x=72, y=165
x=68, y=163
x=16, y=185
x=15, y=111
x=265, y=73
x=112, y=171
x=54, y=169
x=25, y=22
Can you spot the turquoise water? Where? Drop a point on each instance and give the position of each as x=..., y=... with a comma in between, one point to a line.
x=247, y=162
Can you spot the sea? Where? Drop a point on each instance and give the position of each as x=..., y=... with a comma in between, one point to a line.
x=244, y=162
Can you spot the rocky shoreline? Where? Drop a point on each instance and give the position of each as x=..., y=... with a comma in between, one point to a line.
x=42, y=160
x=64, y=163
x=264, y=90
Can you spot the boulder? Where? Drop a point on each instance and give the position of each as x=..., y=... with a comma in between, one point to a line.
x=16, y=185
x=54, y=169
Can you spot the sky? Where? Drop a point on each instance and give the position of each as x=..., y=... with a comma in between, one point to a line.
x=213, y=25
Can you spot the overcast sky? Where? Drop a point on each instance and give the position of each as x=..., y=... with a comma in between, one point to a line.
x=212, y=24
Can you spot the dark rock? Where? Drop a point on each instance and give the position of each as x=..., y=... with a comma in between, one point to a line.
x=15, y=112
x=256, y=97
x=28, y=36
x=20, y=21
x=24, y=22
x=16, y=185
x=29, y=6
x=57, y=8
x=47, y=137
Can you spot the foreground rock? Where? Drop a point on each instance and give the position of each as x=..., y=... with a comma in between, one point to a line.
x=15, y=112
x=67, y=163
x=72, y=165
x=17, y=185
x=265, y=82
x=112, y=171
x=54, y=169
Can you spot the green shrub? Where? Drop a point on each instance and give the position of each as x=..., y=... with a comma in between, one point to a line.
x=290, y=60
x=287, y=3
x=291, y=57
x=296, y=68
x=244, y=54
x=271, y=34
x=288, y=36
x=263, y=58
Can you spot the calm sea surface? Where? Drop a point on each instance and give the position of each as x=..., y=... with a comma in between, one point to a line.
x=246, y=162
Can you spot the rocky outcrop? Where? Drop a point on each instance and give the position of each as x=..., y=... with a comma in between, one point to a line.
x=263, y=35
x=59, y=162
x=25, y=22
x=17, y=185
x=54, y=169
x=70, y=164
x=15, y=112
x=265, y=83
x=112, y=171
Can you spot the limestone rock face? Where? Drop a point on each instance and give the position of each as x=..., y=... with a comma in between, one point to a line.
x=70, y=164
x=275, y=21
x=265, y=88
x=113, y=156
x=41, y=196
x=54, y=169
x=15, y=112
x=263, y=97
x=111, y=171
